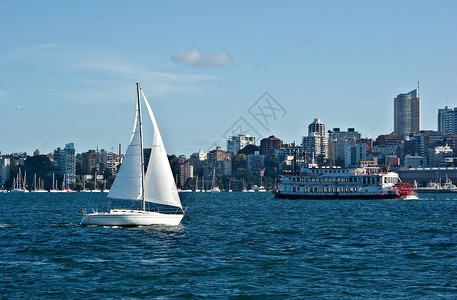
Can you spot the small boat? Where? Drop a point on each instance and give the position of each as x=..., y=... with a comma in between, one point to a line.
x=437, y=187
x=154, y=196
x=215, y=190
x=256, y=188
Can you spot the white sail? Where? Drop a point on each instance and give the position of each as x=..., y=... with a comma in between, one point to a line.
x=159, y=186
x=127, y=185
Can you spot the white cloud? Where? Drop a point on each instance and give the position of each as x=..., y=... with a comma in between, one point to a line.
x=196, y=59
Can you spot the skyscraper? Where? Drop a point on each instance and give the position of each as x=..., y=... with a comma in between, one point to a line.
x=447, y=120
x=316, y=142
x=407, y=113
x=65, y=162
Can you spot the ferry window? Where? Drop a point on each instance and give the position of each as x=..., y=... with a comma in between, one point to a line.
x=320, y=190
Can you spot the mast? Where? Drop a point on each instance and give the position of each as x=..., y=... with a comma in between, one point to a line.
x=143, y=203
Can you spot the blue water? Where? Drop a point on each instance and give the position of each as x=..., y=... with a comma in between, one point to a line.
x=232, y=245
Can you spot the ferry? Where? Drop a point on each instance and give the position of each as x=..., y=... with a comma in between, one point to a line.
x=332, y=182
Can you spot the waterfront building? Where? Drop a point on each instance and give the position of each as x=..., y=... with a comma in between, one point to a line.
x=438, y=155
x=238, y=142
x=186, y=171
x=110, y=161
x=65, y=163
x=256, y=161
x=89, y=160
x=451, y=141
x=316, y=143
x=219, y=161
x=285, y=155
x=270, y=145
x=4, y=170
x=393, y=161
x=197, y=159
x=386, y=150
x=427, y=139
x=223, y=168
x=338, y=141
x=447, y=120
x=354, y=153
x=423, y=176
x=389, y=139
x=407, y=111
x=368, y=163
x=218, y=154
x=415, y=161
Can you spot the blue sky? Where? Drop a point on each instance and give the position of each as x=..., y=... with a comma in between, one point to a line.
x=68, y=68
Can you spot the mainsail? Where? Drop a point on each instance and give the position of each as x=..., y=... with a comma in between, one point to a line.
x=127, y=185
x=159, y=185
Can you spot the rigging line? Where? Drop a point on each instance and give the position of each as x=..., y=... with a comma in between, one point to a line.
x=122, y=117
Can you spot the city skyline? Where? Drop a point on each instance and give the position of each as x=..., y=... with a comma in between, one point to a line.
x=71, y=68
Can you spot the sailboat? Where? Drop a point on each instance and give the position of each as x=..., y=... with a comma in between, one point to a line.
x=197, y=190
x=84, y=187
x=37, y=187
x=153, y=195
x=19, y=183
x=95, y=190
x=54, y=185
x=214, y=188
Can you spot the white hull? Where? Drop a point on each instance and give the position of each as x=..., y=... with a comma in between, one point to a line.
x=121, y=217
x=19, y=191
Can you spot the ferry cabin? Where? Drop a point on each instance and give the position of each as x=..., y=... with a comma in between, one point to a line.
x=335, y=182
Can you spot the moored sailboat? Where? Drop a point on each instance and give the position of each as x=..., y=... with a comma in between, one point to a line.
x=153, y=195
x=19, y=183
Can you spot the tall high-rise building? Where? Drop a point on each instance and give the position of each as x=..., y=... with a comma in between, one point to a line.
x=407, y=113
x=316, y=143
x=447, y=120
x=65, y=162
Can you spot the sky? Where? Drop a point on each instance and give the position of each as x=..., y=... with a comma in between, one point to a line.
x=211, y=69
